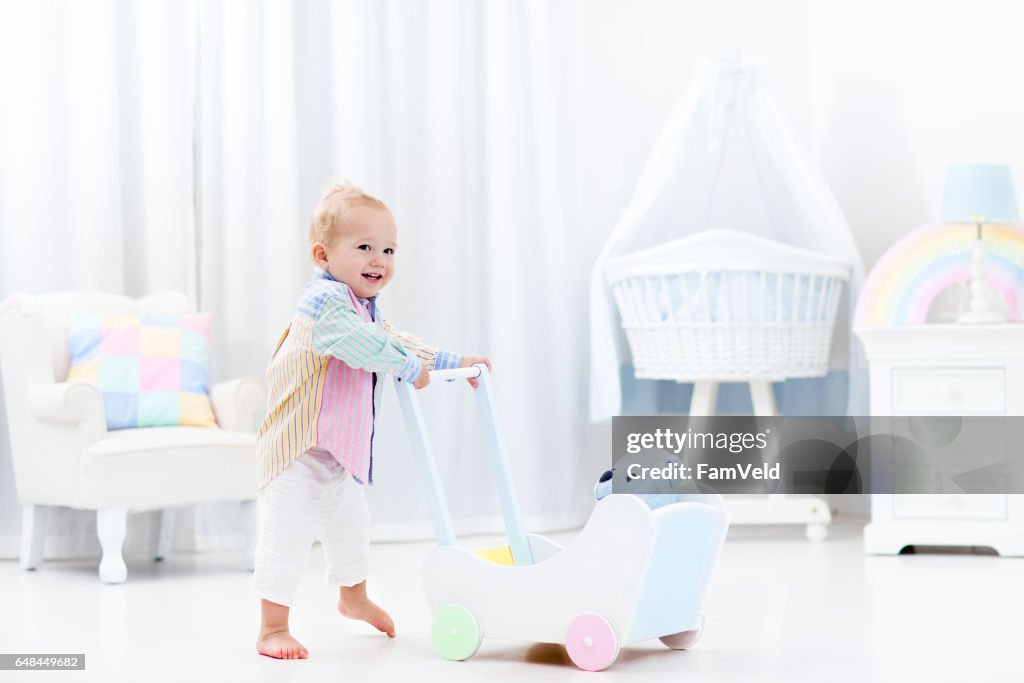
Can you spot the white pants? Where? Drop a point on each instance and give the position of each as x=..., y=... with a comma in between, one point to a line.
x=315, y=497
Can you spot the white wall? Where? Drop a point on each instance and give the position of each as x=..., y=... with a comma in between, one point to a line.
x=902, y=88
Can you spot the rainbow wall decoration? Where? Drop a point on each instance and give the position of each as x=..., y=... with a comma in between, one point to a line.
x=912, y=272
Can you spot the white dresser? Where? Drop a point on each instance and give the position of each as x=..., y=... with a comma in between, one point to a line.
x=946, y=370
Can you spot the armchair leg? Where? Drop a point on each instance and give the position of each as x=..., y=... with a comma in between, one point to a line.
x=248, y=512
x=33, y=535
x=110, y=527
x=164, y=535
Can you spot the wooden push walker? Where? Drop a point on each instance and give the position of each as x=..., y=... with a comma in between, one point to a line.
x=632, y=573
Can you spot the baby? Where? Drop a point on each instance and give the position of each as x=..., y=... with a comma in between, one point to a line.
x=315, y=446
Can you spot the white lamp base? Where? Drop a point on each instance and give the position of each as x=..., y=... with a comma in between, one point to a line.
x=986, y=304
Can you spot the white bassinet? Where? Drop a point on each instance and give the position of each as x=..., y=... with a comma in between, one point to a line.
x=725, y=305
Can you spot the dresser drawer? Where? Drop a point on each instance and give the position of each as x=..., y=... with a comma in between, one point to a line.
x=959, y=391
x=988, y=506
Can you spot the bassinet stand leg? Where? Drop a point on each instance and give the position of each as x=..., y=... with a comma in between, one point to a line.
x=704, y=398
x=763, y=398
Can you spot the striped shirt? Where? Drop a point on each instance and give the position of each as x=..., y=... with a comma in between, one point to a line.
x=323, y=388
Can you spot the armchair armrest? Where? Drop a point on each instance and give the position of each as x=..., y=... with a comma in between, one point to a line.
x=238, y=404
x=79, y=402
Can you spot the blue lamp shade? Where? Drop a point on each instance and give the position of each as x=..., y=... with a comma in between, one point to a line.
x=979, y=193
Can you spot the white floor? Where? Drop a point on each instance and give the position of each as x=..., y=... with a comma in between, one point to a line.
x=781, y=609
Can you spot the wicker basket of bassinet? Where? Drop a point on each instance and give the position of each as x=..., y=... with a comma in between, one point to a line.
x=723, y=305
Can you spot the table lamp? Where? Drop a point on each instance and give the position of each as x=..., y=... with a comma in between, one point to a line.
x=980, y=194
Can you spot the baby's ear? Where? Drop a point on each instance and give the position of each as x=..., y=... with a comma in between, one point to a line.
x=318, y=252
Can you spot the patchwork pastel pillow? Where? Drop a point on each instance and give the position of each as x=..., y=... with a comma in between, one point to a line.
x=152, y=370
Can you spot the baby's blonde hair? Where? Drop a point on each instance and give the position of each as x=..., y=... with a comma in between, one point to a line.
x=336, y=200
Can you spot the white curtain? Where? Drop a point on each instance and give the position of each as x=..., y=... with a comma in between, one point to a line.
x=183, y=145
x=95, y=174
x=457, y=114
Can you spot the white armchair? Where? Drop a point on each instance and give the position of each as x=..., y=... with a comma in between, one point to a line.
x=63, y=454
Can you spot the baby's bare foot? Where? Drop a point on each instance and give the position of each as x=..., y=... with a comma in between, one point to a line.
x=280, y=645
x=358, y=606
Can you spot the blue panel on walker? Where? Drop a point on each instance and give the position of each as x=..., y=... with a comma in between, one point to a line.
x=686, y=542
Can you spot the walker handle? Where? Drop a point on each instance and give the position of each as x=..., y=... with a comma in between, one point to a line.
x=519, y=544
x=456, y=373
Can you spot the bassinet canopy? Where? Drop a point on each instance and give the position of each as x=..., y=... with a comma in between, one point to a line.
x=724, y=162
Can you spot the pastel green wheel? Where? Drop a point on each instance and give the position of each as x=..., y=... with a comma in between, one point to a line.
x=455, y=633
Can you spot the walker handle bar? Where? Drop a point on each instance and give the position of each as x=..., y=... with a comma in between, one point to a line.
x=408, y=398
x=456, y=373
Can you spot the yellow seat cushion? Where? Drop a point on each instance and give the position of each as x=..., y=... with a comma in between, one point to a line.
x=500, y=554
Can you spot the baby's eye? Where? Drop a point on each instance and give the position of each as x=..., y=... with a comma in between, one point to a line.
x=389, y=250
x=364, y=247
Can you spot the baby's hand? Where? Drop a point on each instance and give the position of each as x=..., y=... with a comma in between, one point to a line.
x=424, y=378
x=468, y=361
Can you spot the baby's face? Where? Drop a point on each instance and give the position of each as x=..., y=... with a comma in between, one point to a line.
x=362, y=255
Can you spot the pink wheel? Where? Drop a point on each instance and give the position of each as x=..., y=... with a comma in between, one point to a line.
x=591, y=642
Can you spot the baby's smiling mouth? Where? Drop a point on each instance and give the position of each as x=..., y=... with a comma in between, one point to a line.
x=373, y=277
